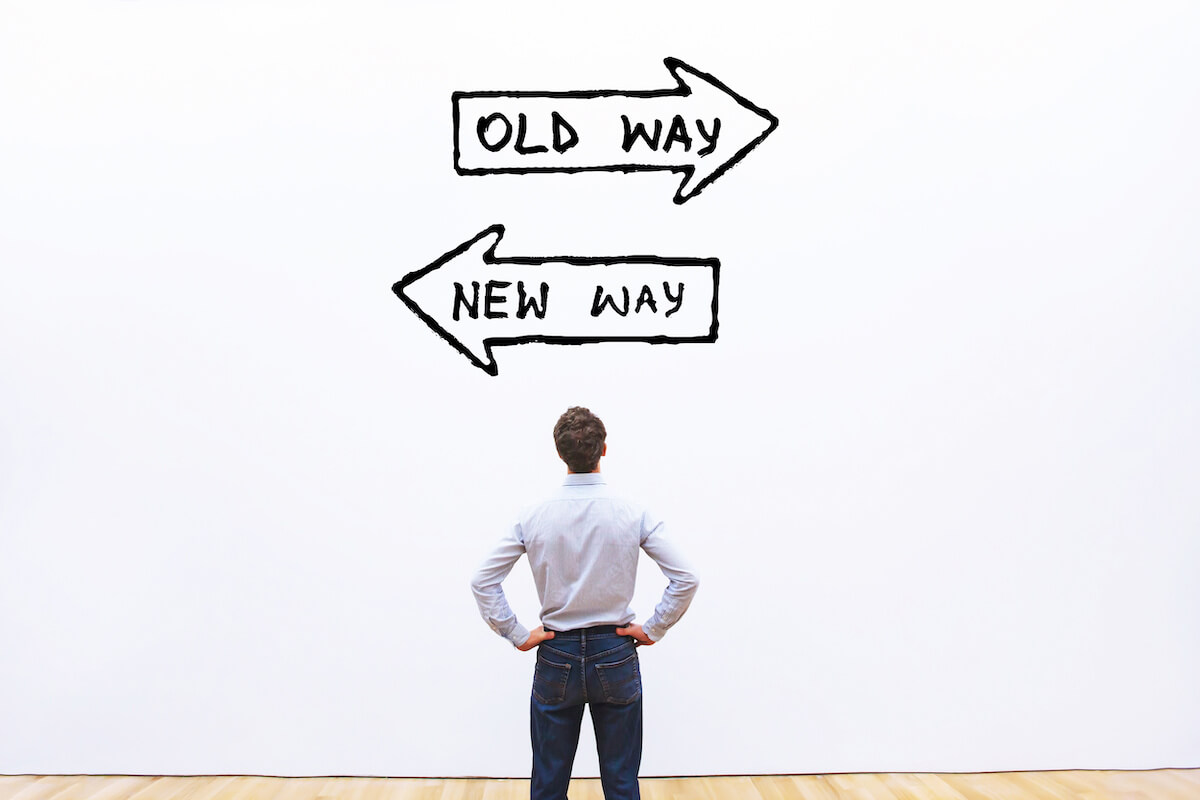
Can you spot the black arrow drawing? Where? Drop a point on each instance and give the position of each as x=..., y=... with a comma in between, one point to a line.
x=701, y=128
x=476, y=301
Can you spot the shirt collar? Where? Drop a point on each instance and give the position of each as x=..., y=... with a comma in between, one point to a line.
x=583, y=479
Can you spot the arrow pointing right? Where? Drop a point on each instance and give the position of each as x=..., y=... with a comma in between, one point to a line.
x=700, y=128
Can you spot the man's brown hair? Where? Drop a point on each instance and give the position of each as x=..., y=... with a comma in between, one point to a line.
x=579, y=437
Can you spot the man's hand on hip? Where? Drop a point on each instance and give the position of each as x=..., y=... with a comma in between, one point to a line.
x=536, y=637
x=635, y=630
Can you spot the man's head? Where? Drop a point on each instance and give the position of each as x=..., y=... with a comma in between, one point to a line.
x=579, y=436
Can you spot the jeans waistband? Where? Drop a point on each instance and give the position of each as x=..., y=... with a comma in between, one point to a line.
x=595, y=629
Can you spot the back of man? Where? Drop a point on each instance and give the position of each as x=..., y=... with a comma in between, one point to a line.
x=583, y=546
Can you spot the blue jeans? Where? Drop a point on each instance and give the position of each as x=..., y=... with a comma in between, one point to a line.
x=598, y=668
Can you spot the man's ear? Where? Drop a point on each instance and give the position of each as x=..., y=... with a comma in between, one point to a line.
x=604, y=450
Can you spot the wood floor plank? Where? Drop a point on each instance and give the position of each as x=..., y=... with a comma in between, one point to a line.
x=19, y=787
x=982, y=786
x=246, y=787
x=814, y=787
x=26, y=787
x=769, y=788
x=121, y=787
x=1099, y=784
x=385, y=789
x=1093, y=786
x=1167, y=784
x=909, y=786
x=511, y=789
x=869, y=786
x=1172, y=783
x=1041, y=785
x=209, y=789
x=291, y=789
x=662, y=788
x=50, y=785
x=854, y=787
x=81, y=787
x=939, y=787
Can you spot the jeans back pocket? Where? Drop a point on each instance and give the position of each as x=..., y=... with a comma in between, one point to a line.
x=621, y=680
x=550, y=681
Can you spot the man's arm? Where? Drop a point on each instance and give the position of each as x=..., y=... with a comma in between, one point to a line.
x=493, y=606
x=681, y=580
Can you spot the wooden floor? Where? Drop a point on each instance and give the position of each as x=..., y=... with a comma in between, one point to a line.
x=1161, y=784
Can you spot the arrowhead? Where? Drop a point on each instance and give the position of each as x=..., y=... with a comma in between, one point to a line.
x=425, y=291
x=744, y=123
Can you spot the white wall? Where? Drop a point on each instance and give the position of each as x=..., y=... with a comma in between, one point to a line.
x=938, y=473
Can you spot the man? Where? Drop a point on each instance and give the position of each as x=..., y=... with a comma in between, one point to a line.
x=583, y=547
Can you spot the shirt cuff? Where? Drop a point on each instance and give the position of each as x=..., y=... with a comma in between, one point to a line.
x=518, y=635
x=652, y=632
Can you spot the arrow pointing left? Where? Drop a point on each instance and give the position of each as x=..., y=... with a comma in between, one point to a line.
x=476, y=300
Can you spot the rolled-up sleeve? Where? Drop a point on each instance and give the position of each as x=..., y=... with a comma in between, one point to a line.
x=489, y=595
x=681, y=579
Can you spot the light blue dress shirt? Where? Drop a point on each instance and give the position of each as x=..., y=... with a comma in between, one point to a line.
x=583, y=545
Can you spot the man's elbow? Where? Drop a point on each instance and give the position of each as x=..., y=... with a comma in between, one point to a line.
x=688, y=583
x=479, y=584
